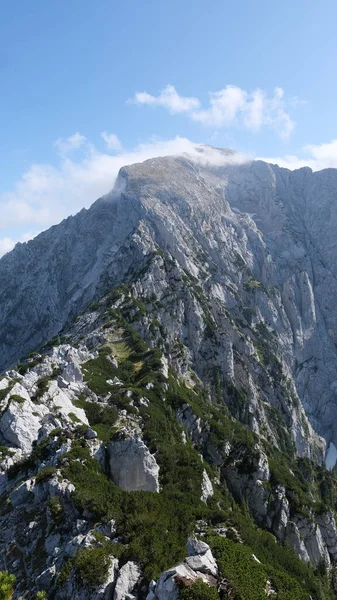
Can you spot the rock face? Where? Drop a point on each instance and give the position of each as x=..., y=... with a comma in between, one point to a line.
x=253, y=231
x=199, y=564
x=206, y=487
x=20, y=423
x=128, y=577
x=133, y=468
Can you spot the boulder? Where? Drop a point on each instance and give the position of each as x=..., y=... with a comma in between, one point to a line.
x=200, y=557
x=127, y=580
x=167, y=588
x=132, y=466
x=23, y=493
x=21, y=422
x=72, y=372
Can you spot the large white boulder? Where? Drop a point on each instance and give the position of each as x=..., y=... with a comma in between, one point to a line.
x=128, y=577
x=60, y=403
x=199, y=564
x=132, y=466
x=21, y=422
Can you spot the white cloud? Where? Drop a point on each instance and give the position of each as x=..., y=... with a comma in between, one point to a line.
x=168, y=98
x=74, y=142
x=231, y=106
x=111, y=140
x=315, y=156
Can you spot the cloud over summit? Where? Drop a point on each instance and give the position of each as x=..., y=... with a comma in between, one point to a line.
x=231, y=106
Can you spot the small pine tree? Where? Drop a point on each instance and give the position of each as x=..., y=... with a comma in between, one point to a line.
x=7, y=583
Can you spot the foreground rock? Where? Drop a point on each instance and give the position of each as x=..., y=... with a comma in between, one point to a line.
x=199, y=564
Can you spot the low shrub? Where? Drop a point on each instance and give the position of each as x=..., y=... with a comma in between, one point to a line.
x=92, y=565
x=198, y=591
x=7, y=583
x=45, y=473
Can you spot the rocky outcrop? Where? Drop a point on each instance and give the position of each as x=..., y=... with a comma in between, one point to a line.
x=132, y=466
x=206, y=487
x=22, y=420
x=199, y=564
x=128, y=578
x=247, y=476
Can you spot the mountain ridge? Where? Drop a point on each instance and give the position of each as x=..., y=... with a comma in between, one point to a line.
x=191, y=334
x=152, y=187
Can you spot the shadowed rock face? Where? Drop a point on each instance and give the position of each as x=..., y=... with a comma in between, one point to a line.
x=252, y=236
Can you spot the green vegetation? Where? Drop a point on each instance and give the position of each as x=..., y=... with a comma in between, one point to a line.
x=92, y=565
x=7, y=583
x=45, y=473
x=198, y=591
x=99, y=370
x=42, y=386
x=55, y=507
x=252, y=284
x=153, y=527
x=101, y=417
x=5, y=451
x=16, y=398
x=74, y=418
x=288, y=576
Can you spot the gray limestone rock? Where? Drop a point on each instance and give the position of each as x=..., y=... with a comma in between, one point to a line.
x=132, y=466
x=127, y=580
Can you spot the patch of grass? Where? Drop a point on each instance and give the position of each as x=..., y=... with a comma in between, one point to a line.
x=74, y=418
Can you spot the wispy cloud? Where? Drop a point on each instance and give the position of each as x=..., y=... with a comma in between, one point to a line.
x=315, y=156
x=74, y=142
x=231, y=106
x=111, y=140
x=169, y=99
x=6, y=244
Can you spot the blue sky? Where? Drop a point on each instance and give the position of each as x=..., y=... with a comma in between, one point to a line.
x=71, y=71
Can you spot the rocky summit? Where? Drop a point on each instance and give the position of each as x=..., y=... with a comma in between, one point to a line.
x=168, y=397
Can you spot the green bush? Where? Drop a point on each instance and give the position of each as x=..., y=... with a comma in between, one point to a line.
x=248, y=577
x=55, y=506
x=45, y=473
x=7, y=583
x=16, y=398
x=198, y=591
x=92, y=565
x=101, y=417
